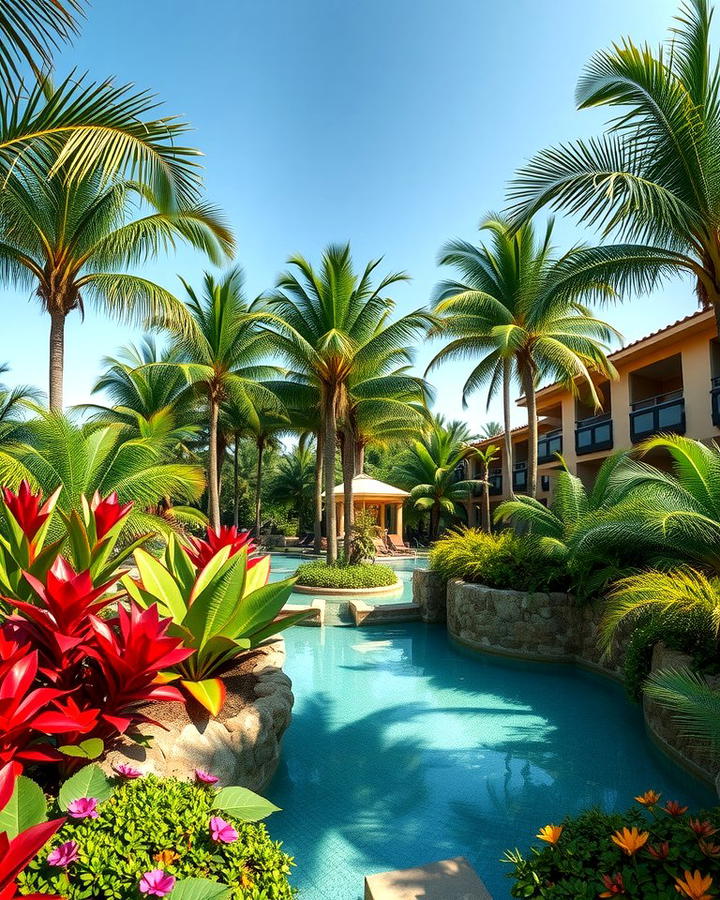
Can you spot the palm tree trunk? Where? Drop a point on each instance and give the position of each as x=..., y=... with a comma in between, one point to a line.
x=236, y=485
x=529, y=389
x=359, y=458
x=434, y=521
x=317, y=525
x=258, y=485
x=329, y=467
x=507, y=448
x=348, y=462
x=486, y=498
x=213, y=494
x=57, y=359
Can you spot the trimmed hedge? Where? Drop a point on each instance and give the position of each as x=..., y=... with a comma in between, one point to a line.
x=505, y=561
x=364, y=575
x=154, y=823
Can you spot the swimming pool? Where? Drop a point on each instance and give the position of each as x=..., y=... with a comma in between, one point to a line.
x=404, y=749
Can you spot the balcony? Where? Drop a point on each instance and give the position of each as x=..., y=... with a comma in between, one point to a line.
x=519, y=477
x=664, y=413
x=715, y=400
x=548, y=445
x=495, y=480
x=593, y=434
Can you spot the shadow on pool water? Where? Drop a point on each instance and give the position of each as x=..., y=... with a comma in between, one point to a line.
x=404, y=750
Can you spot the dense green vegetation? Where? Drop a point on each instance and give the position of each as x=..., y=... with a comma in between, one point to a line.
x=362, y=575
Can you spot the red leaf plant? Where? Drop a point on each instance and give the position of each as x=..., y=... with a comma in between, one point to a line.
x=129, y=652
x=27, y=510
x=202, y=551
x=17, y=852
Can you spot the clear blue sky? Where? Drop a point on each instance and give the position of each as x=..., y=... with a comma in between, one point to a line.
x=393, y=123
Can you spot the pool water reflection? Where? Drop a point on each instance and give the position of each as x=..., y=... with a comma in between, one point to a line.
x=404, y=750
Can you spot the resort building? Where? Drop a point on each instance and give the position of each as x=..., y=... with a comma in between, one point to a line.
x=668, y=381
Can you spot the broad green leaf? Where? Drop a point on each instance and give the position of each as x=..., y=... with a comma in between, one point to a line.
x=210, y=693
x=257, y=576
x=217, y=650
x=179, y=564
x=258, y=609
x=79, y=541
x=278, y=625
x=90, y=781
x=208, y=573
x=244, y=804
x=88, y=749
x=215, y=605
x=159, y=582
x=199, y=889
x=26, y=807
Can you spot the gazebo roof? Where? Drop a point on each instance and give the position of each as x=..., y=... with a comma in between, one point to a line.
x=365, y=487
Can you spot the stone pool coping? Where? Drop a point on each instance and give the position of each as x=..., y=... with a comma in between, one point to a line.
x=382, y=591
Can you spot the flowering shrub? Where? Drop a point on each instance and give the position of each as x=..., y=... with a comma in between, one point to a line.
x=219, y=603
x=655, y=850
x=153, y=833
x=363, y=575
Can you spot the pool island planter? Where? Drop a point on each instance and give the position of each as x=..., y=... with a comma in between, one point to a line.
x=553, y=627
x=241, y=746
x=382, y=591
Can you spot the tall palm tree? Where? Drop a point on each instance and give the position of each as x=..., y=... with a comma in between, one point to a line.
x=429, y=471
x=220, y=349
x=490, y=430
x=73, y=243
x=486, y=457
x=518, y=308
x=331, y=323
x=650, y=180
x=292, y=483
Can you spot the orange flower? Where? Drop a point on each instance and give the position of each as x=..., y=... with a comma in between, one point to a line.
x=649, y=798
x=166, y=857
x=550, y=833
x=614, y=885
x=694, y=886
x=709, y=849
x=702, y=829
x=659, y=852
x=630, y=840
x=674, y=809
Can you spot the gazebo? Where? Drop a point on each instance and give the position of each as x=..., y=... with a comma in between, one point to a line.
x=370, y=495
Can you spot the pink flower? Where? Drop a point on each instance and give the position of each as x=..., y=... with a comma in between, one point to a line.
x=126, y=771
x=63, y=855
x=221, y=831
x=156, y=883
x=83, y=808
x=205, y=777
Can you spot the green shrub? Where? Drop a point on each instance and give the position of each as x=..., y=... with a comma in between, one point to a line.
x=575, y=866
x=153, y=823
x=363, y=575
x=501, y=560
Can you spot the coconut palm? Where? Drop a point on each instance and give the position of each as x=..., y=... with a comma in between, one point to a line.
x=220, y=348
x=74, y=242
x=332, y=323
x=518, y=312
x=490, y=430
x=650, y=180
x=430, y=469
x=293, y=482
x=52, y=450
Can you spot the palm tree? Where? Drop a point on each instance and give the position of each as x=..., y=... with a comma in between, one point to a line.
x=486, y=457
x=220, y=349
x=650, y=180
x=52, y=451
x=518, y=309
x=429, y=471
x=14, y=401
x=292, y=483
x=74, y=242
x=490, y=430
x=332, y=323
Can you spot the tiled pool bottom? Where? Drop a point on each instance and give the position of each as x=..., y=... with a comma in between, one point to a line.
x=404, y=750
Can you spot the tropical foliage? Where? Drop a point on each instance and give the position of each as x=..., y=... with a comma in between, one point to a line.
x=346, y=577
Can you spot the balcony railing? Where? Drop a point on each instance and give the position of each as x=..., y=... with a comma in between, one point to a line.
x=715, y=400
x=666, y=412
x=548, y=445
x=593, y=434
x=495, y=480
x=519, y=477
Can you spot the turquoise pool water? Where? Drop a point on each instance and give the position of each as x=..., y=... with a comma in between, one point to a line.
x=404, y=750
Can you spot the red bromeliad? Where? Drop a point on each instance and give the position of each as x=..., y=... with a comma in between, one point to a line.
x=107, y=513
x=27, y=510
x=202, y=551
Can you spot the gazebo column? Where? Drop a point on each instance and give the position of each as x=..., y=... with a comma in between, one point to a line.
x=399, y=520
x=340, y=517
x=381, y=516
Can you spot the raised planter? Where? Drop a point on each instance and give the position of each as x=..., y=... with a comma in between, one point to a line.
x=382, y=591
x=430, y=594
x=241, y=746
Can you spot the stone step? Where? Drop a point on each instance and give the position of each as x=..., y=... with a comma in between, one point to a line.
x=449, y=879
x=316, y=608
x=383, y=613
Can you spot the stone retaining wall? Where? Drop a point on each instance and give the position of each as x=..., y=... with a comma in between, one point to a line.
x=552, y=627
x=429, y=593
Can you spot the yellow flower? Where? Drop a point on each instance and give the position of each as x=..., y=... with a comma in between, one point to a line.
x=630, y=840
x=550, y=833
x=649, y=798
x=694, y=886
